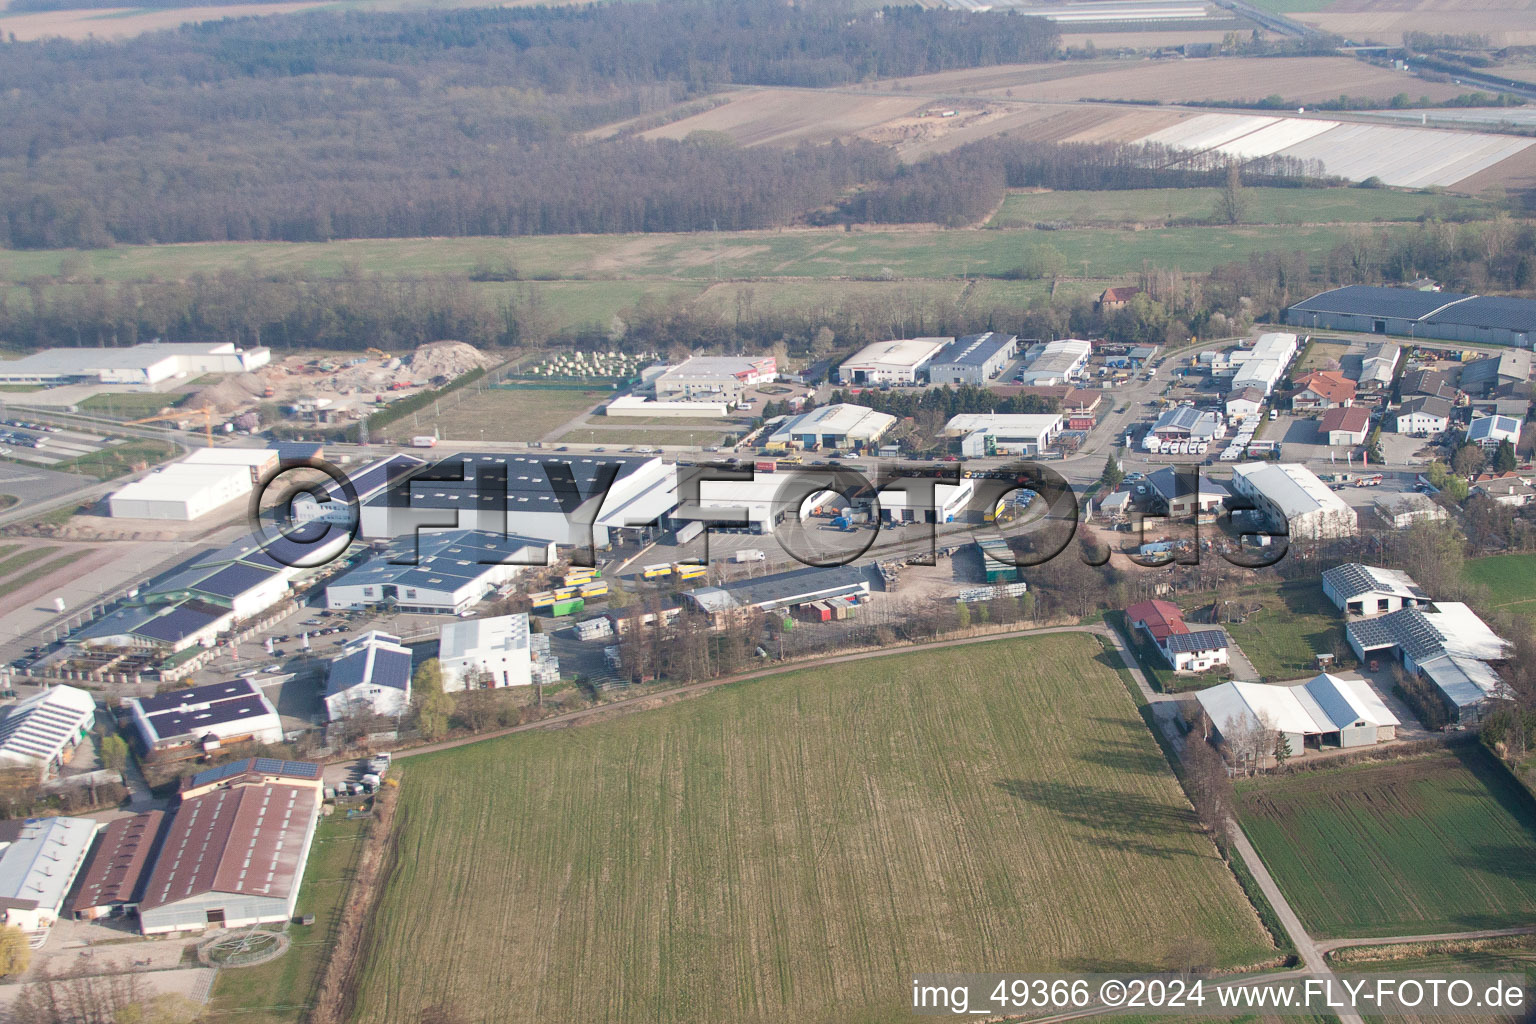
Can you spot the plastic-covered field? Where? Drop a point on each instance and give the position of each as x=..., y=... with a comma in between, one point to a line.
x=1274, y=138
x=1209, y=131
x=1401, y=156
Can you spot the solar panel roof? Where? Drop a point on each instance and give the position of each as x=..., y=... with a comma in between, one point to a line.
x=234, y=580
x=1492, y=311
x=1204, y=640
x=180, y=623
x=197, y=695
x=179, y=723
x=1367, y=300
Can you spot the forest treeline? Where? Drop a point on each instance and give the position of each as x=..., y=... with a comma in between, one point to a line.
x=357, y=310
x=459, y=122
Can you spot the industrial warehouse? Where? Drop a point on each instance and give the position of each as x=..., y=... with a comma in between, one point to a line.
x=143, y=365
x=437, y=572
x=1408, y=312
x=567, y=500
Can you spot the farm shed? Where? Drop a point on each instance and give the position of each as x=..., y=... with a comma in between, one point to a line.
x=232, y=858
x=1448, y=644
x=1408, y=312
x=372, y=675
x=211, y=716
x=1325, y=711
x=118, y=869
x=39, y=859
x=42, y=731
x=1357, y=589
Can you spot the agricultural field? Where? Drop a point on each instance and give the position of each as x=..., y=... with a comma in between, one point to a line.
x=1155, y=206
x=497, y=414
x=1293, y=625
x=1508, y=579
x=282, y=990
x=671, y=259
x=1502, y=22
x=1440, y=843
x=790, y=848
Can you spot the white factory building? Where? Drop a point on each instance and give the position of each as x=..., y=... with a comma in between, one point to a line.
x=714, y=378
x=436, y=572
x=566, y=499
x=143, y=365
x=640, y=406
x=1325, y=711
x=42, y=731
x=39, y=859
x=832, y=426
x=891, y=362
x=984, y=434
x=1263, y=365
x=1491, y=431
x=1426, y=414
x=1290, y=494
x=372, y=674
x=1056, y=362
x=492, y=652
x=207, y=479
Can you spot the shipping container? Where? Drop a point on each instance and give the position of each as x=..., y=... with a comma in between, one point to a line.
x=572, y=606
x=689, y=571
x=655, y=572
x=688, y=531
x=765, y=466
x=541, y=599
x=594, y=588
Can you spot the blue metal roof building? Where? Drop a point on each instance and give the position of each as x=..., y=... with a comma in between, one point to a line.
x=973, y=359
x=1407, y=312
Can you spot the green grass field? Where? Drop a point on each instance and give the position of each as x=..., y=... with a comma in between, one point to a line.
x=700, y=258
x=791, y=848
x=1508, y=579
x=1440, y=843
x=1297, y=624
x=130, y=405
x=496, y=414
x=1265, y=206
x=281, y=991
x=118, y=460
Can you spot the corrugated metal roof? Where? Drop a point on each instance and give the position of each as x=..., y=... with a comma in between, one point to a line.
x=1368, y=300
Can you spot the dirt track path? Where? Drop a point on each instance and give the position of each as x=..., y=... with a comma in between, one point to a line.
x=1329, y=945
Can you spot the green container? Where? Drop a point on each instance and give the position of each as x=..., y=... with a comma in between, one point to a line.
x=569, y=607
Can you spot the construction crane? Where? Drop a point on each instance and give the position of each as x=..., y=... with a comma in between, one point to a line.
x=206, y=412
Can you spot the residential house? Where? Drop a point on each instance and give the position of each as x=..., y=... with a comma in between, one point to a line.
x=1322, y=389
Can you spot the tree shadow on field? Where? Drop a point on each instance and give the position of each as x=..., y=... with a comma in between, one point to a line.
x=1106, y=818
x=1123, y=756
